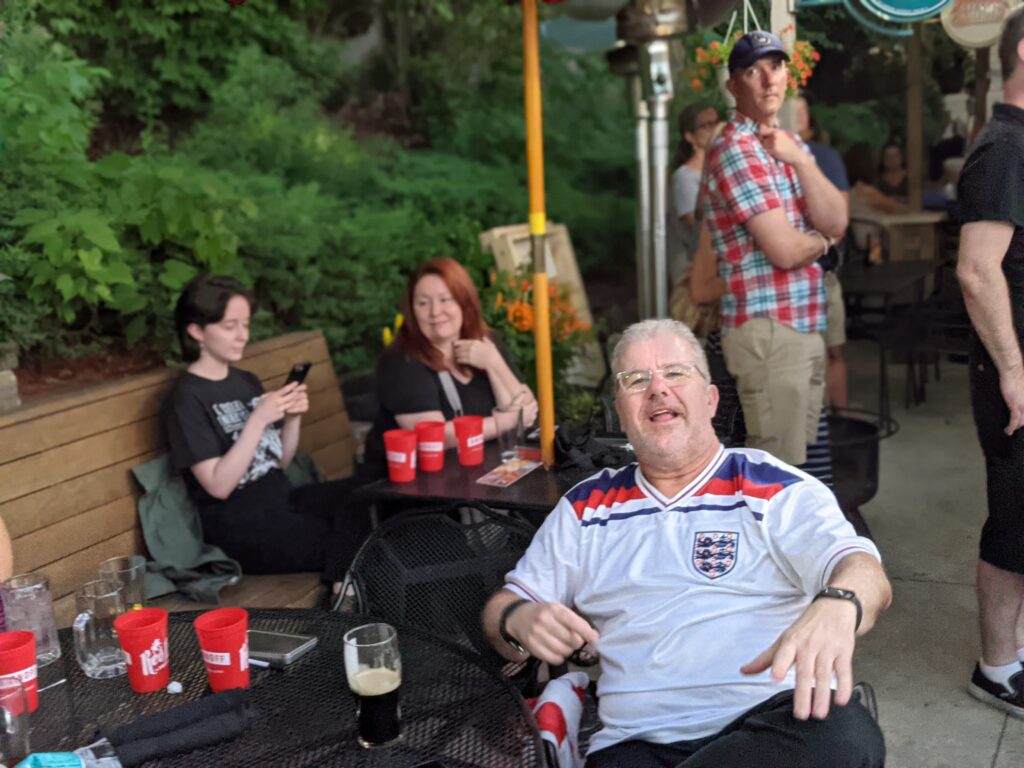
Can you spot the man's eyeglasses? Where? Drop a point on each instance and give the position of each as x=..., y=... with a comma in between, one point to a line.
x=674, y=374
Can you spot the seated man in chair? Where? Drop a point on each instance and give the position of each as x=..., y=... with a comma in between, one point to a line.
x=725, y=588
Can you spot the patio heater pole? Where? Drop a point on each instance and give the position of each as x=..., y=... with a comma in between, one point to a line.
x=658, y=80
x=645, y=301
x=538, y=230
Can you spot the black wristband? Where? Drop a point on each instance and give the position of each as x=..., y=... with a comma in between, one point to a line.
x=836, y=593
x=503, y=621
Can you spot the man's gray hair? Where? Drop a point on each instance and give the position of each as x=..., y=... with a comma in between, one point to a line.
x=648, y=329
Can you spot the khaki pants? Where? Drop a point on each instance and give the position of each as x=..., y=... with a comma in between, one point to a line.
x=780, y=379
x=835, y=332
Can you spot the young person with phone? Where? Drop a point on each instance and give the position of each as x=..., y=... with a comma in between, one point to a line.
x=445, y=362
x=231, y=442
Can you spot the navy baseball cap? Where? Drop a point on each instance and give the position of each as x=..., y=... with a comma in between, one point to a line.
x=753, y=46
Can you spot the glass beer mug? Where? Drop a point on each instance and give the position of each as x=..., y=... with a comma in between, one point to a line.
x=28, y=606
x=96, y=645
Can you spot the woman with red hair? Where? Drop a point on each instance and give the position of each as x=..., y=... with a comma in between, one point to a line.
x=444, y=337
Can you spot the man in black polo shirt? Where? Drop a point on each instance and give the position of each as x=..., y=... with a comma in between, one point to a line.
x=991, y=271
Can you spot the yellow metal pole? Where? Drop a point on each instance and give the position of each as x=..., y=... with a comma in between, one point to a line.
x=538, y=229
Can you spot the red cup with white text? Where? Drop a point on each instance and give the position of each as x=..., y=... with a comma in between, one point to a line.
x=223, y=638
x=430, y=445
x=400, y=447
x=470, y=432
x=18, y=662
x=143, y=638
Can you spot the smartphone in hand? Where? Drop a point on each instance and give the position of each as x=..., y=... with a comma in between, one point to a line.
x=298, y=373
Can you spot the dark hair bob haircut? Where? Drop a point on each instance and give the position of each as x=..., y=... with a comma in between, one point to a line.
x=203, y=301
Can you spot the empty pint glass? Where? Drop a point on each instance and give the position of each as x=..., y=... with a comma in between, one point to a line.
x=374, y=671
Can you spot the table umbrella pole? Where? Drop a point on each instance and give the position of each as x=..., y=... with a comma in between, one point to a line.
x=538, y=230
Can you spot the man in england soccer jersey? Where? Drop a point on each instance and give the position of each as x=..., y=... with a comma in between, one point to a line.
x=724, y=587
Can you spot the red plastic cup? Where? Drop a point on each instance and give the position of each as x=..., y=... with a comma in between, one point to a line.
x=18, y=661
x=430, y=445
x=223, y=638
x=470, y=432
x=400, y=445
x=143, y=638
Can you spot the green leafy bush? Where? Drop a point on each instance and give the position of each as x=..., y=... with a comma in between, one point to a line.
x=168, y=57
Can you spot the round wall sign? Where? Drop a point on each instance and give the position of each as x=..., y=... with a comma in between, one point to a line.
x=905, y=10
x=976, y=23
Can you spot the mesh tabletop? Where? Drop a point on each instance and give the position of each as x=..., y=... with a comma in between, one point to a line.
x=453, y=710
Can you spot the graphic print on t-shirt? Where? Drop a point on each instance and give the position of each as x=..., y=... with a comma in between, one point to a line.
x=231, y=416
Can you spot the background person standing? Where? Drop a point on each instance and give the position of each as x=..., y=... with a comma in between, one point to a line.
x=991, y=272
x=772, y=214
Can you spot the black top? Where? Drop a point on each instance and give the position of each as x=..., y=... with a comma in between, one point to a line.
x=405, y=385
x=203, y=419
x=991, y=188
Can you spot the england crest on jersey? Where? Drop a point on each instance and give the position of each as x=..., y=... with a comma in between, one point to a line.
x=714, y=552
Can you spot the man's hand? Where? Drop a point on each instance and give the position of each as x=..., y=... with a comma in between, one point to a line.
x=550, y=631
x=780, y=145
x=1011, y=384
x=819, y=643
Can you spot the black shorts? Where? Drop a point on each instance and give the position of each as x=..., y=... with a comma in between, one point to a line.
x=1002, y=538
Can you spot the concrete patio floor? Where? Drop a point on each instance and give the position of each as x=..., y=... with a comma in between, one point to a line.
x=926, y=520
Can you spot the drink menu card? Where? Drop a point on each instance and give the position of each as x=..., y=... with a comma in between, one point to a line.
x=505, y=474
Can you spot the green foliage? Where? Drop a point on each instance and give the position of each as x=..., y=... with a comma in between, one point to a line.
x=169, y=56
x=241, y=170
x=849, y=124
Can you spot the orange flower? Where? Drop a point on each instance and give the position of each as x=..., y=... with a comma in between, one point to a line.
x=696, y=84
x=520, y=316
x=499, y=300
x=702, y=55
x=715, y=60
x=703, y=72
x=816, y=56
x=511, y=281
x=524, y=286
x=715, y=45
x=552, y=291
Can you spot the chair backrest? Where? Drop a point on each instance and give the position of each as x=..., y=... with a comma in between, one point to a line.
x=434, y=569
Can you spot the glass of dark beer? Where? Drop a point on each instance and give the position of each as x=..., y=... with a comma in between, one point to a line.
x=374, y=671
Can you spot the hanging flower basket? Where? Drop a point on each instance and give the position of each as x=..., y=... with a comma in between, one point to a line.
x=703, y=73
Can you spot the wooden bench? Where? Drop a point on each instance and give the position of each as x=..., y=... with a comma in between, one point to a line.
x=66, y=490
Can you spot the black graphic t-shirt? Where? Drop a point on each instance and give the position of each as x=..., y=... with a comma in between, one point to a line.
x=204, y=418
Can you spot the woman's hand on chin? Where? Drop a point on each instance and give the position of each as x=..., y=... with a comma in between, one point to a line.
x=478, y=353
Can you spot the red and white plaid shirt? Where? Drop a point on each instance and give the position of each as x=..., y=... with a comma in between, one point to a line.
x=743, y=180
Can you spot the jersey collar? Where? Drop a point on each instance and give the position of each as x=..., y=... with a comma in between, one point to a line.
x=648, y=487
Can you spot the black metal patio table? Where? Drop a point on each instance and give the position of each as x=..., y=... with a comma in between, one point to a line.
x=535, y=495
x=454, y=711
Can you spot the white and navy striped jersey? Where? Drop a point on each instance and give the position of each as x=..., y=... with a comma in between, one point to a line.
x=685, y=591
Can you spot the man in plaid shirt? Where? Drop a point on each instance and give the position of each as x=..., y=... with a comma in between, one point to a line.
x=772, y=215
